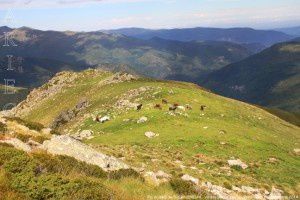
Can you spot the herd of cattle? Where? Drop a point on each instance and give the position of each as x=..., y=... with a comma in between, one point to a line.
x=173, y=107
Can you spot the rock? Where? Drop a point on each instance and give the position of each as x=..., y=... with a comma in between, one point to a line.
x=205, y=127
x=150, y=134
x=218, y=191
x=18, y=144
x=250, y=190
x=85, y=134
x=142, y=120
x=275, y=194
x=69, y=114
x=273, y=160
x=237, y=162
x=46, y=131
x=65, y=145
x=222, y=143
x=156, y=178
x=297, y=151
x=187, y=177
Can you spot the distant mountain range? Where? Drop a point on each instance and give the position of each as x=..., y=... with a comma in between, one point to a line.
x=295, y=31
x=236, y=35
x=270, y=78
x=156, y=57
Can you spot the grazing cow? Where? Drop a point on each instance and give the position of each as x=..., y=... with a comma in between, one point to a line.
x=164, y=101
x=139, y=107
x=172, y=108
x=158, y=106
x=188, y=107
x=97, y=118
x=175, y=104
x=203, y=107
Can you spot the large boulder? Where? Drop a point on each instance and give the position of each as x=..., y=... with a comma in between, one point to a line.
x=65, y=145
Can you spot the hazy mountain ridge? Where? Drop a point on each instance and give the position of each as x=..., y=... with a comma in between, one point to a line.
x=270, y=78
x=236, y=35
x=157, y=58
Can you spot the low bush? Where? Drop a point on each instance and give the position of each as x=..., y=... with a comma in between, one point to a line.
x=182, y=187
x=3, y=128
x=31, y=125
x=123, y=173
x=22, y=137
x=50, y=182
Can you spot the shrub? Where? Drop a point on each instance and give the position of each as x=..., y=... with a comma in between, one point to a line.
x=47, y=184
x=123, y=173
x=182, y=187
x=3, y=128
x=227, y=185
x=40, y=139
x=31, y=125
x=22, y=137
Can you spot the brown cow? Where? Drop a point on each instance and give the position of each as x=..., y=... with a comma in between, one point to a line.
x=188, y=107
x=158, y=106
x=139, y=107
x=203, y=107
x=164, y=101
x=172, y=108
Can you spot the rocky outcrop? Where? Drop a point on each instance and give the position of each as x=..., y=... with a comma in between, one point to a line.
x=70, y=114
x=37, y=96
x=65, y=145
x=238, y=163
x=18, y=144
x=119, y=78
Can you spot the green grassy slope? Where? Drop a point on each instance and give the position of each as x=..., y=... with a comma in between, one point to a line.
x=195, y=142
x=270, y=78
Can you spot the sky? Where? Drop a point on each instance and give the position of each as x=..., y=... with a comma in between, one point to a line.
x=91, y=15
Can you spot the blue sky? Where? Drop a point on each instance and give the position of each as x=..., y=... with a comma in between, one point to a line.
x=88, y=15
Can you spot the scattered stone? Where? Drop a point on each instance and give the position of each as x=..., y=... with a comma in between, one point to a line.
x=156, y=178
x=237, y=162
x=273, y=160
x=187, y=177
x=142, y=120
x=150, y=134
x=205, y=127
x=126, y=120
x=222, y=143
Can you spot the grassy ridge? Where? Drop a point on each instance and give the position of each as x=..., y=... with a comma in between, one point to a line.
x=193, y=142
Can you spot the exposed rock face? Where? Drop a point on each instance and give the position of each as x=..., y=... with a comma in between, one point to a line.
x=18, y=144
x=37, y=96
x=119, y=78
x=65, y=145
x=237, y=162
x=70, y=114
